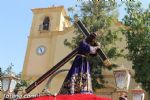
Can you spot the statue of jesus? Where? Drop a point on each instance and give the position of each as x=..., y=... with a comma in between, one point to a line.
x=78, y=79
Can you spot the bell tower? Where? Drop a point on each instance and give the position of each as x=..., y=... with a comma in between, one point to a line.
x=45, y=45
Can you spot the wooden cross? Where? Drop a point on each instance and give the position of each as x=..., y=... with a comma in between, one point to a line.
x=101, y=54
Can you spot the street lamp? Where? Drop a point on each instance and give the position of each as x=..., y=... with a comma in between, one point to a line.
x=122, y=78
x=138, y=93
x=9, y=82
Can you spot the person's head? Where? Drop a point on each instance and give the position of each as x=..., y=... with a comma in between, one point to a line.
x=91, y=38
x=123, y=98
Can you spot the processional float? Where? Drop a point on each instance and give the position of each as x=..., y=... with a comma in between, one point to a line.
x=100, y=53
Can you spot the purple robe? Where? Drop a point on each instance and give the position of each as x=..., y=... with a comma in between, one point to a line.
x=78, y=79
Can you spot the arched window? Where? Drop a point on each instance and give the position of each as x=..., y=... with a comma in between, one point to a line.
x=46, y=23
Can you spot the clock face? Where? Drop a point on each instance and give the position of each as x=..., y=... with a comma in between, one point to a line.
x=41, y=50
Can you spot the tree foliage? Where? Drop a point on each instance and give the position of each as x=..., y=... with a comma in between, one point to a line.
x=20, y=85
x=97, y=16
x=137, y=33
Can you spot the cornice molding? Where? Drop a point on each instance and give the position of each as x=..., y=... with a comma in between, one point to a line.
x=53, y=8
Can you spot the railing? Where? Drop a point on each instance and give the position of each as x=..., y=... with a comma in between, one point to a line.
x=43, y=27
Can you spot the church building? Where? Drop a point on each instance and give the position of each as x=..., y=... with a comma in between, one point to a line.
x=45, y=47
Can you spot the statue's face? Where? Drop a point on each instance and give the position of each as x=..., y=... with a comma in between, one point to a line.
x=92, y=42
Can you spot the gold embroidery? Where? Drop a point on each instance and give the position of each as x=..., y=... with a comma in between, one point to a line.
x=77, y=84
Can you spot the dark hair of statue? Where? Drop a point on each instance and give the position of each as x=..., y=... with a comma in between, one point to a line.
x=91, y=39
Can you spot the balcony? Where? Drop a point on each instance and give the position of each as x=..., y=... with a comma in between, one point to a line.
x=44, y=28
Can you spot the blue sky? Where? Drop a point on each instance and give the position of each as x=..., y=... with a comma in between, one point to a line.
x=15, y=23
